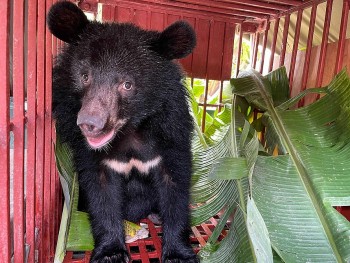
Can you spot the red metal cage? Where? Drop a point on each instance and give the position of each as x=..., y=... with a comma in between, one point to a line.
x=309, y=37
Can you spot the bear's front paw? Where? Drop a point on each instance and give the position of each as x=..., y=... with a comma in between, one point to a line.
x=182, y=260
x=116, y=256
x=185, y=256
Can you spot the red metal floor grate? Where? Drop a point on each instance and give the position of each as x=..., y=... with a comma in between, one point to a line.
x=148, y=250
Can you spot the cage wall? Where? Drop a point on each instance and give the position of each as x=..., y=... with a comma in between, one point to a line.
x=30, y=200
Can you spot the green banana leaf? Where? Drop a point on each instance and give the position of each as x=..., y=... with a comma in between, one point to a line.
x=296, y=192
x=75, y=231
x=212, y=194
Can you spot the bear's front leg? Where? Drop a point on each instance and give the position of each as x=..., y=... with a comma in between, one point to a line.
x=104, y=193
x=174, y=188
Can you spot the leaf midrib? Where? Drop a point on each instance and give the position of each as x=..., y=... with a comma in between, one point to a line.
x=298, y=164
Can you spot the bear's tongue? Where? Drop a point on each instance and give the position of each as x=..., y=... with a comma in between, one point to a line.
x=99, y=141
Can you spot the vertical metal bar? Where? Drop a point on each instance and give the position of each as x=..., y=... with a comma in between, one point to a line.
x=266, y=34
x=255, y=50
x=308, y=51
x=220, y=96
x=54, y=198
x=324, y=42
x=31, y=127
x=48, y=143
x=295, y=48
x=48, y=223
x=40, y=129
x=342, y=35
x=273, y=45
x=222, y=69
x=18, y=130
x=284, y=39
x=206, y=81
x=5, y=247
x=239, y=49
x=108, y=12
x=205, y=103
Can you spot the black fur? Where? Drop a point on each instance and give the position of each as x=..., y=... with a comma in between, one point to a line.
x=113, y=72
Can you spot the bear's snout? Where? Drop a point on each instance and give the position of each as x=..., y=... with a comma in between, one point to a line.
x=91, y=125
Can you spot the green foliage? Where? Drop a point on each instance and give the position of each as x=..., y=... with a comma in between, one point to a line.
x=295, y=191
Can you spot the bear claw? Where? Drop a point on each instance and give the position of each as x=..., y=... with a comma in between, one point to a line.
x=121, y=257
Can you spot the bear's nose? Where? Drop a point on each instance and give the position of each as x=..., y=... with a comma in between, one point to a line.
x=90, y=125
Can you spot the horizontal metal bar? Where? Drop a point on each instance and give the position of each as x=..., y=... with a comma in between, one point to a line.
x=275, y=6
x=301, y=6
x=231, y=6
x=171, y=8
x=190, y=7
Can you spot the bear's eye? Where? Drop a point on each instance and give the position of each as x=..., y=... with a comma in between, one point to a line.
x=85, y=78
x=127, y=85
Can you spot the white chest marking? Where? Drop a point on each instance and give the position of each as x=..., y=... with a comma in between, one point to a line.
x=125, y=168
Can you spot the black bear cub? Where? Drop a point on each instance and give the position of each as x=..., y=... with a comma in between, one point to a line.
x=119, y=101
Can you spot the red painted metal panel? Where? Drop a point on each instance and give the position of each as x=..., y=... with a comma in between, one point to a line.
x=295, y=47
x=308, y=52
x=140, y=18
x=18, y=131
x=187, y=61
x=199, y=63
x=157, y=21
x=173, y=8
x=170, y=18
x=209, y=11
x=123, y=14
x=342, y=35
x=108, y=13
x=157, y=18
x=31, y=127
x=5, y=249
x=216, y=50
x=228, y=50
x=273, y=44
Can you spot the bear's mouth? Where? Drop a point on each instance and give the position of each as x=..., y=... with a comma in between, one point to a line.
x=101, y=140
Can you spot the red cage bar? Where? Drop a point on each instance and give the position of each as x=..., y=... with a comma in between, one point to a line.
x=342, y=33
x=325, y=34
x=308, y=52
x=5, y=248
x=18, y=133
x=295, y=48
x=284, y=39
x=31, y=127
x=266, y=34
x=273, y=44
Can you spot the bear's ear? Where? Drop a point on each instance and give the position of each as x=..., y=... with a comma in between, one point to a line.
x=176, y=41
x=65, y=21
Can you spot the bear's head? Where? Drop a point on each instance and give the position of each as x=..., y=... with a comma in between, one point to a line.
x=120, y=74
